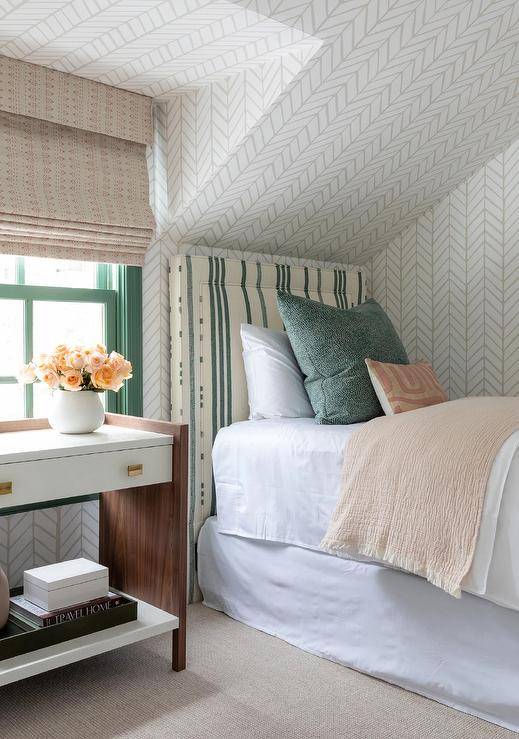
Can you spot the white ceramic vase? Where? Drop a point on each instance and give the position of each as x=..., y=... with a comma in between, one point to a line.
x=79, y=412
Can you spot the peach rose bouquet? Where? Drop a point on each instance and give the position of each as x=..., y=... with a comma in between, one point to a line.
x=76, y=368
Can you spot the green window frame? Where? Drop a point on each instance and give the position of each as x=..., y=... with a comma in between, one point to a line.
x=119, y=290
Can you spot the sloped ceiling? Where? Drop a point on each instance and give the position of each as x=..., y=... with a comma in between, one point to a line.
x=153, y=47
x=402, y=100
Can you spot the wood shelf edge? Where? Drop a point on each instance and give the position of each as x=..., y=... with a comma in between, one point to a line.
x=111, y=419
x=24, y=424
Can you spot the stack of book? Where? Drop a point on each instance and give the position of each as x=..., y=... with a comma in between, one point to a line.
x=66, y=591
x=59, y=602
x=37, y=616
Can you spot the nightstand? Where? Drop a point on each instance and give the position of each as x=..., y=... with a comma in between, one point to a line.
x=139, y=468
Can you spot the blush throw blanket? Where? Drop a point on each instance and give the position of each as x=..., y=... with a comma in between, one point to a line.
x=414, y=484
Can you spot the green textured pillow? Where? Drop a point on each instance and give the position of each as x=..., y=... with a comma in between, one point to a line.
x=331, y=345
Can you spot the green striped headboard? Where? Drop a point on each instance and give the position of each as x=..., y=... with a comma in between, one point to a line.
x=210, y=298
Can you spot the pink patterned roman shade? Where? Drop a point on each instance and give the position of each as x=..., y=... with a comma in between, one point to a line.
x=73, y=174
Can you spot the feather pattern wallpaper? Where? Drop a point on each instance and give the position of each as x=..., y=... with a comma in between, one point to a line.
x=177, y=142
x=450, y=283
x=400, y=104
x=390, y=105
x=225, y=66
x=311, y=132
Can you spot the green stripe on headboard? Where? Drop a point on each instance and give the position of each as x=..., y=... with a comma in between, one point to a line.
x=244, y=291
x=227, y=334
x=260, y=294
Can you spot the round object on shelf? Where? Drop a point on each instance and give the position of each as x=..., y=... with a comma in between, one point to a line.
x=78, y=412
x=4, y=598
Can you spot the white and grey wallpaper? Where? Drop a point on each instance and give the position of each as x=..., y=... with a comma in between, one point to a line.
x=151, y=47
x=312, y=130
x=400, y=104
x=395, y=103
x=194, y=133
x=450, y=283
x=50, y=535
x=186, y=147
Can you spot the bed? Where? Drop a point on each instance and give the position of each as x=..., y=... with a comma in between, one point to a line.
x=277, y=482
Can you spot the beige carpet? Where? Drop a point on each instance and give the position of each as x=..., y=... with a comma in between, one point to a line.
x=239, y=683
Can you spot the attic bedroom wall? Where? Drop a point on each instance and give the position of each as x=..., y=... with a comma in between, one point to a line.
x=194, y=133
x=450, y=283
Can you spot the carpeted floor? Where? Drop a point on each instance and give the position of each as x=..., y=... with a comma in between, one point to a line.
x=240, y=683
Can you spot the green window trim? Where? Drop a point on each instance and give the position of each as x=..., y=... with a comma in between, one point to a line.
x=119, y=289
x=129, y=337
x=127, y=282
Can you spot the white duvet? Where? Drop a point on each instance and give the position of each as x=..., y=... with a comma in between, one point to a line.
x=279, y=480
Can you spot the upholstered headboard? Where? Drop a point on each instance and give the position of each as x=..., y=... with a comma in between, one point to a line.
x=210, y=298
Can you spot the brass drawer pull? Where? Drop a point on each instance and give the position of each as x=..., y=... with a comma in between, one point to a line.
x=134, y=470
x=6, y=488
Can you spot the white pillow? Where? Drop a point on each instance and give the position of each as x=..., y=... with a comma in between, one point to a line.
x=274, y=380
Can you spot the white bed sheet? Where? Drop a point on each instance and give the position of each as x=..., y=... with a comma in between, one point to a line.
x=377, y=620
x=279, y=480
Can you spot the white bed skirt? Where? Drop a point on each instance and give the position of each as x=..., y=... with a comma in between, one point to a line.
x=395, y=626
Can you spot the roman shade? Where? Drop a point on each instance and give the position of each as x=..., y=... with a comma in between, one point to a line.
x=74, y=179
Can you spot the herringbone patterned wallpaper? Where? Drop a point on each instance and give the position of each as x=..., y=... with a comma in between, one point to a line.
x=450, y=283
x=385, y=107
x=402, y=102
x=313, y=130
x=51, y=535
x=151, y=46
x=193, y=134
x=224, y=65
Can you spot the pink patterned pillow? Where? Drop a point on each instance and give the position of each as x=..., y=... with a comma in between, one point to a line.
x=405, y=387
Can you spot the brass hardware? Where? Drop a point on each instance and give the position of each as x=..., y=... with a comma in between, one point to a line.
x=6, y=488
x=134, y=470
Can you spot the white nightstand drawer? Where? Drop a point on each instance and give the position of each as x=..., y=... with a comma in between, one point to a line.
x=23, y=483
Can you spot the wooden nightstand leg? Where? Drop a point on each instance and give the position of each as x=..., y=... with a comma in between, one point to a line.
x=143, y=541
x=179, y=647
x=180, y=503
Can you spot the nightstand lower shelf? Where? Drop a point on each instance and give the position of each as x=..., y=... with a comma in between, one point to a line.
x=151, y=621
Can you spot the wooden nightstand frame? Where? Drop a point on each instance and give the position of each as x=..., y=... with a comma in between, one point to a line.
x=143, y=534
x=143, y=529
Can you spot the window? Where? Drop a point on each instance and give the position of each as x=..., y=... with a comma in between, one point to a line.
x=44, y=302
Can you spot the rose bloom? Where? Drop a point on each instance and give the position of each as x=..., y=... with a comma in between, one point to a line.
x=72, y=380
x=125, y=370
x=115, y=361
x=105, y=378
x=87, y=353
x=101, y=348
x=61, y=349
x=75, y=360
x=27, y=374
x=120, y=366
x=50, y=377
x=62, y=365
x=45, y=361
x=95, y=360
